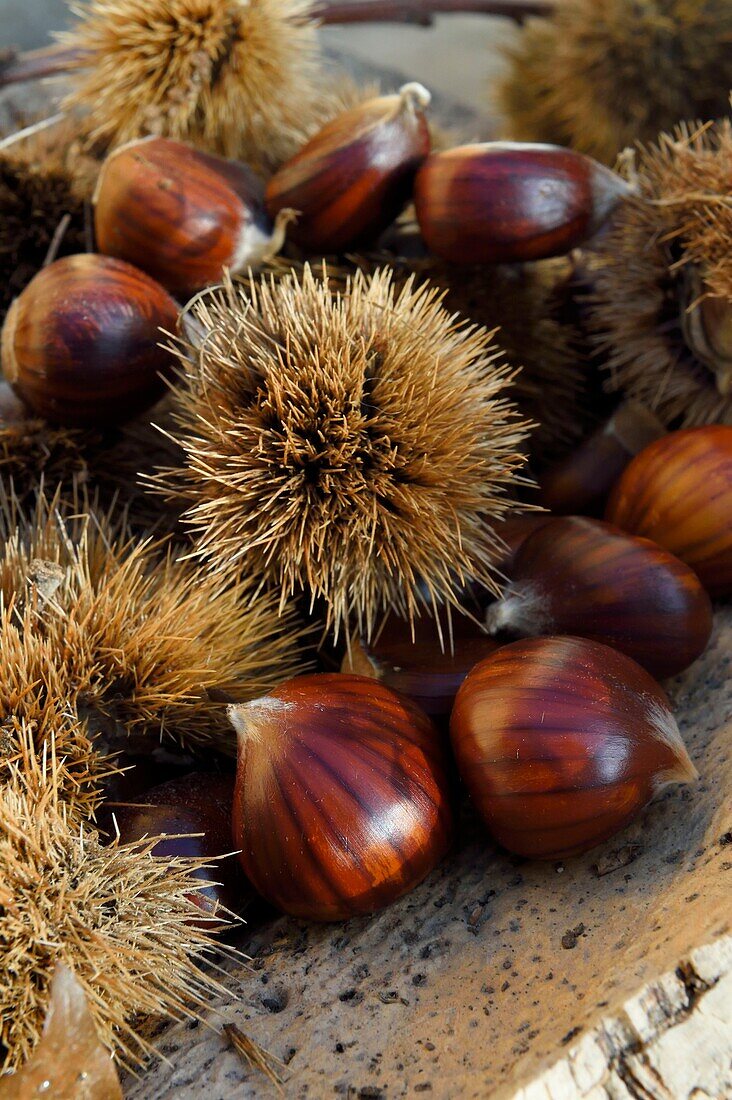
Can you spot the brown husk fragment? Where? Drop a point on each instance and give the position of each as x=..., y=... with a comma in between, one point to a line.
x=599, y=75
x=69, y=1060
x=358, y=446
x=663, y=274
x=43, y=179
x=521, y=302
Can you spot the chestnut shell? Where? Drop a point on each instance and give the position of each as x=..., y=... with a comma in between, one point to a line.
x=561, y=742
x=342, y=796
x=505, y=202
x=352, y=179
x=588, y=578
x=175, y=212
x=82, y=344
x=678, y=492
x=198, y=803
x=427, y=667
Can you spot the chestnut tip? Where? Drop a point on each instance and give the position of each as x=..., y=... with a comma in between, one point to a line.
x=415, y=96
x=258, y=243
x=684, y=770
x=608, y=189
x=520, y=609
x=250, y=719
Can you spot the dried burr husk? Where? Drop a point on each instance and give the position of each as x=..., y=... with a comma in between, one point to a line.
x=121, y=919
x=244, y=80
x=627, y=71
x=111, y=644
x=45, y=180
x=357, y=446
x=521, y=305
x=661, y=302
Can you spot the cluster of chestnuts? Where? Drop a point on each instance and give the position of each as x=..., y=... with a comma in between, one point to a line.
x=459, y=492
x=82, y=344
x=546, y=698
x=345, y=795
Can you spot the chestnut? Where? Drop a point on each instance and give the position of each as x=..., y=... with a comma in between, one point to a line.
x=194, y=814
x=342, y=796
x=81, y=344
x=352, y=179
x=583, y=481
x=585, y=577
x=182, y=215
x=504, y=202
x=678, y=492
x=561, y=742
x=427, y=662
x=513, y=532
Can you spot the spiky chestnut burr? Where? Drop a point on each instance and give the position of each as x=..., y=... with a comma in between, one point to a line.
x=111, y=464
x=628, y=71
x=120, y=918
x=239, y=79
x=358, y=446
x=661, y=308
x=44, y=180
x=521, y=304
x=108, y=637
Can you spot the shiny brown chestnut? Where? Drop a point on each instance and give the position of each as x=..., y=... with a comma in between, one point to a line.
x=182, y=215
x=352, y=179
x=341, y=802
x=585, y=577
x=561, y=742
x=194, y=815
x=82, y=344
x=584, y=480
x=513, y=532
x=504, y=202
x=428, y=664
x=678, y=492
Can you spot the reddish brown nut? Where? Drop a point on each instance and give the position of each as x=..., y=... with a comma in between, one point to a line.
x=342, y=796
x=678, y=492
x=182, y=215
x=82, y=344
x=583, y=481
x=199, y=804
x=588, y=578
x=513, y=533
x=561, y=742
x=354, y=177
x=502, y=202
x=428, y=666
